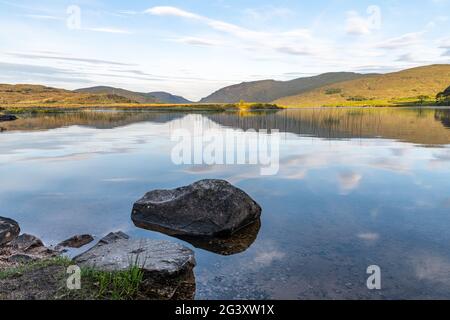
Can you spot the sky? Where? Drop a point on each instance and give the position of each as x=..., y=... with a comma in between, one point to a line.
x=195, y=47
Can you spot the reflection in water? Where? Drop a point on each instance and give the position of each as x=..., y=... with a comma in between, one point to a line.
x=356, y=187
x=424, y=126
x=405, y=124
x=91, y=119
x=443, y=116
x=237, y=243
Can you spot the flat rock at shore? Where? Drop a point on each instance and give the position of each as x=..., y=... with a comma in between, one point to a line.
x=207, y=208
x=167, y=266
x=152, y=256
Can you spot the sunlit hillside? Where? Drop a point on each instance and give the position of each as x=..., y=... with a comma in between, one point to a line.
x=411, y=86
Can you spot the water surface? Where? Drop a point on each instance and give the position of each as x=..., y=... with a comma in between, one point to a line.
x=356, y=187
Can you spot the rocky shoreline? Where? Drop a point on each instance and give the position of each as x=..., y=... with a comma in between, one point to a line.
x=145, y=268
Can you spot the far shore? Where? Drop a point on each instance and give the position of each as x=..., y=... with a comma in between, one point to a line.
x=24, y=109
x=34, y=108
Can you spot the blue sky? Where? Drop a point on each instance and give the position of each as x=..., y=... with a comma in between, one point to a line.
x=193, y=48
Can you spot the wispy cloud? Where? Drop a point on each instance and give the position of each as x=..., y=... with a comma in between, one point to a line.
x=173, y=11
x=292, y=42
x=108, y=30
x=42, y=17
x=29, y=73
x=196, y=41
x=66, y=58
x=269, y=12
x=402, y=41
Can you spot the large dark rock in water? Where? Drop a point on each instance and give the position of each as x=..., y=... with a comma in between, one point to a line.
x=9, y=230
x=207, y=208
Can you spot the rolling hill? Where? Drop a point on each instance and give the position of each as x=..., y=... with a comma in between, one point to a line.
x=135, y=96
x=25, y=94
x=412, y=86
x=270, y=90
x=140, y=97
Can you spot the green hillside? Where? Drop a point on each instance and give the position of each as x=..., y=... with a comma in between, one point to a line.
x=412, y=86
x=269, y=90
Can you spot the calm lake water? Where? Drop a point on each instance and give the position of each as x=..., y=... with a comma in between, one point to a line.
x=356, y=187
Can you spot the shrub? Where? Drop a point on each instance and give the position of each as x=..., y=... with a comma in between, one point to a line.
x=333, y=91
x=357, y=98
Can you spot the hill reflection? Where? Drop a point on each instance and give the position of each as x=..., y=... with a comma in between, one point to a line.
x=419, y=126
x=423, y=126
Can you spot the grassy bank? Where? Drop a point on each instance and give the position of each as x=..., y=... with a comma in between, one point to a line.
x=47, y=280
x=95, y=284
x=52, y=108
x=363, y=102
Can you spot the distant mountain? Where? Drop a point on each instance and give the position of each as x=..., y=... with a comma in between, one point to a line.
x=135, y=96
x=168, y=98
x=270, y=90
x=411, y=86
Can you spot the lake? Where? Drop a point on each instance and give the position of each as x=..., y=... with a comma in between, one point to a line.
x=355, y=188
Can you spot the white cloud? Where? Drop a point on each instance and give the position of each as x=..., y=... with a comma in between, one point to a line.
x=402, y=41
x=108, y=30
x=359, y=25
x=172, y=11
x=356, y=24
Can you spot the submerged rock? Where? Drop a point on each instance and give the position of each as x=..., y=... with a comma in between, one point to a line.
x=7, y=117
x=207, y=208
x=9, y=230
x=113, y=236
x=26, y=243
x=77, y=241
